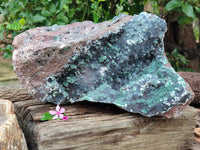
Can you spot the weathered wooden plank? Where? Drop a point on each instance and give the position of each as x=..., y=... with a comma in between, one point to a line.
x=13, y=91
x=15, y=94
x=103, y=126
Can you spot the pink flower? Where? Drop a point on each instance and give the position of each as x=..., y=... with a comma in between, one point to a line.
x=58, y=112
x=65, y=118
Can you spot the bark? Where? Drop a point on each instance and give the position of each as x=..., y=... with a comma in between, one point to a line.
x=15, y=94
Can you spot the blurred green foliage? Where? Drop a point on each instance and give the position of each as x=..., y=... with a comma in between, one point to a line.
x=20, y=15
x=61, y=12
x=178, y=61
x=188, y=11
x=197, y=32
x=5, y=30
x=7, y=51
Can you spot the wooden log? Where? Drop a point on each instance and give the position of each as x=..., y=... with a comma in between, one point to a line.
x=15, y=94
x=103, y=126
x=13, y=91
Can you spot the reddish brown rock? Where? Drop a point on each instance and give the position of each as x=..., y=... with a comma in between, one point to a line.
x=193, y=79
x=197, y=134
x=11, y=136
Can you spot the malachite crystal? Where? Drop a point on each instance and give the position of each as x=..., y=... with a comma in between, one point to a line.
x=121, y=62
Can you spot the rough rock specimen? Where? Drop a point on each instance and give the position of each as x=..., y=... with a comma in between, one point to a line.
x=11, y=136
x=120, y=62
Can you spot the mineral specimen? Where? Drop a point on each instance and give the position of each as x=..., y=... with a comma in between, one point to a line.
x=121, y=62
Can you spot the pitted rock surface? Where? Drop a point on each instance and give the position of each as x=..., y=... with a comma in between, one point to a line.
x=193, y=78
x=120, y=62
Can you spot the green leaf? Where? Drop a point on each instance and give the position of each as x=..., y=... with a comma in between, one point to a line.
x=188, y=10
x=48, y=22
x=96, y=17
x=65, y=8
x=1, y=34
x=22, y=21
x=75, y=20
x=38, y=8
x=58, y=11
x=173, y=4
x=94, y=6
x=61, y=16
x=70, y=13
x=15, y=26
x=183, y=59
x=38, y=18
x=68, y=1
x=2, y=27
x=184, y=20
x=15, y=9
x=24, y=2
x=60, y=23
x=7, y=55
x=62, y=2
x=46, y=13
x=8, y=48
x=197, y=9
x=52, y=8
x=124, y=13
x=46, y=116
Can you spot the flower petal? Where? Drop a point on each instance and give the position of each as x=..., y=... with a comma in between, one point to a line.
x=57, y=108
x=62, y=110
x=55, y=117
x=65, y=118
x=61, y=116
x=52, y=112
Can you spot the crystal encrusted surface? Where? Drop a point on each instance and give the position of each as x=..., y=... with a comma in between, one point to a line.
x=120, y=62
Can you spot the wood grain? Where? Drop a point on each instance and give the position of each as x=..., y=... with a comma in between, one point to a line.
x=15, y=95
x=102, y=126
